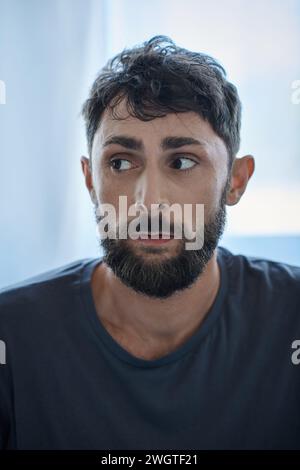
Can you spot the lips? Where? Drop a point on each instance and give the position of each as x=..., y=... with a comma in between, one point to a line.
x=156, y=236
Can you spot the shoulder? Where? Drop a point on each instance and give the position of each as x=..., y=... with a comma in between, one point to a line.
x=266, y=281
x=263, y=298
x=261, y=269
x=43, y=289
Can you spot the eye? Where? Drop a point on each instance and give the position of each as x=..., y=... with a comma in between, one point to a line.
x=120, y=164
x=182, y=163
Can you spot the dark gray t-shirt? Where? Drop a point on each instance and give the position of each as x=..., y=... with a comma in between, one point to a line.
x=67, y=384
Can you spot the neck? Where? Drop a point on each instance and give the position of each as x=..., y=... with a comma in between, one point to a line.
x=153, y=325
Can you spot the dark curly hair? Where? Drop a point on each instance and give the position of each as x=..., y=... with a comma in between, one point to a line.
x=158, y=78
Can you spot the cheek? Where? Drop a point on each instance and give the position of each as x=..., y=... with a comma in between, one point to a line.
x=104, y=189
x=113, y=194
x=209, y=195
x=193, y=216
x=203, y=191
x=110, y=187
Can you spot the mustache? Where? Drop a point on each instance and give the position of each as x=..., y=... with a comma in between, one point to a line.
x=161, y=226
x=145, y=224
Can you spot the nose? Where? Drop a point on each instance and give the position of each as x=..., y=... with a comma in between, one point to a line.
x=150, y=189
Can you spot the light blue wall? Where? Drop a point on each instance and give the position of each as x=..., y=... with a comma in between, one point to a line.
x=279, y=248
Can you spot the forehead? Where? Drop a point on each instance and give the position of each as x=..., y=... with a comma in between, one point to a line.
x=152, y=133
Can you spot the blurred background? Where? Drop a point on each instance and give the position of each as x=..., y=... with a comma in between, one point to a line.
x=50, y=53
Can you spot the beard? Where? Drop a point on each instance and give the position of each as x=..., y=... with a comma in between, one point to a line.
x=163, y=278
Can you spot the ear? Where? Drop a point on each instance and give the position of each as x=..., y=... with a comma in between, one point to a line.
x=242, y=170
x=87, y=172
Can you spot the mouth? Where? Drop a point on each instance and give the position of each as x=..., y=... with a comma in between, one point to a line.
x=155, y=238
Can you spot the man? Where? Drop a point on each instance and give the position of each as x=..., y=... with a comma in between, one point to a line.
x=153, y=345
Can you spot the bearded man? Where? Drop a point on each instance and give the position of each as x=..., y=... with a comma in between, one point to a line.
x=152, y=345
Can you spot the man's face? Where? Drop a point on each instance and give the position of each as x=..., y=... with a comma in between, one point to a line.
x=149, y=173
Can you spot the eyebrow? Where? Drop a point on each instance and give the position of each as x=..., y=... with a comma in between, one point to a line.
x=172, y=142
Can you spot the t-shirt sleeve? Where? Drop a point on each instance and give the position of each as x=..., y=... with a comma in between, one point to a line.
x=6, y=383
x=6, y=421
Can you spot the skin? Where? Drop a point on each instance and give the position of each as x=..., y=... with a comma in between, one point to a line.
x=146, y=327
